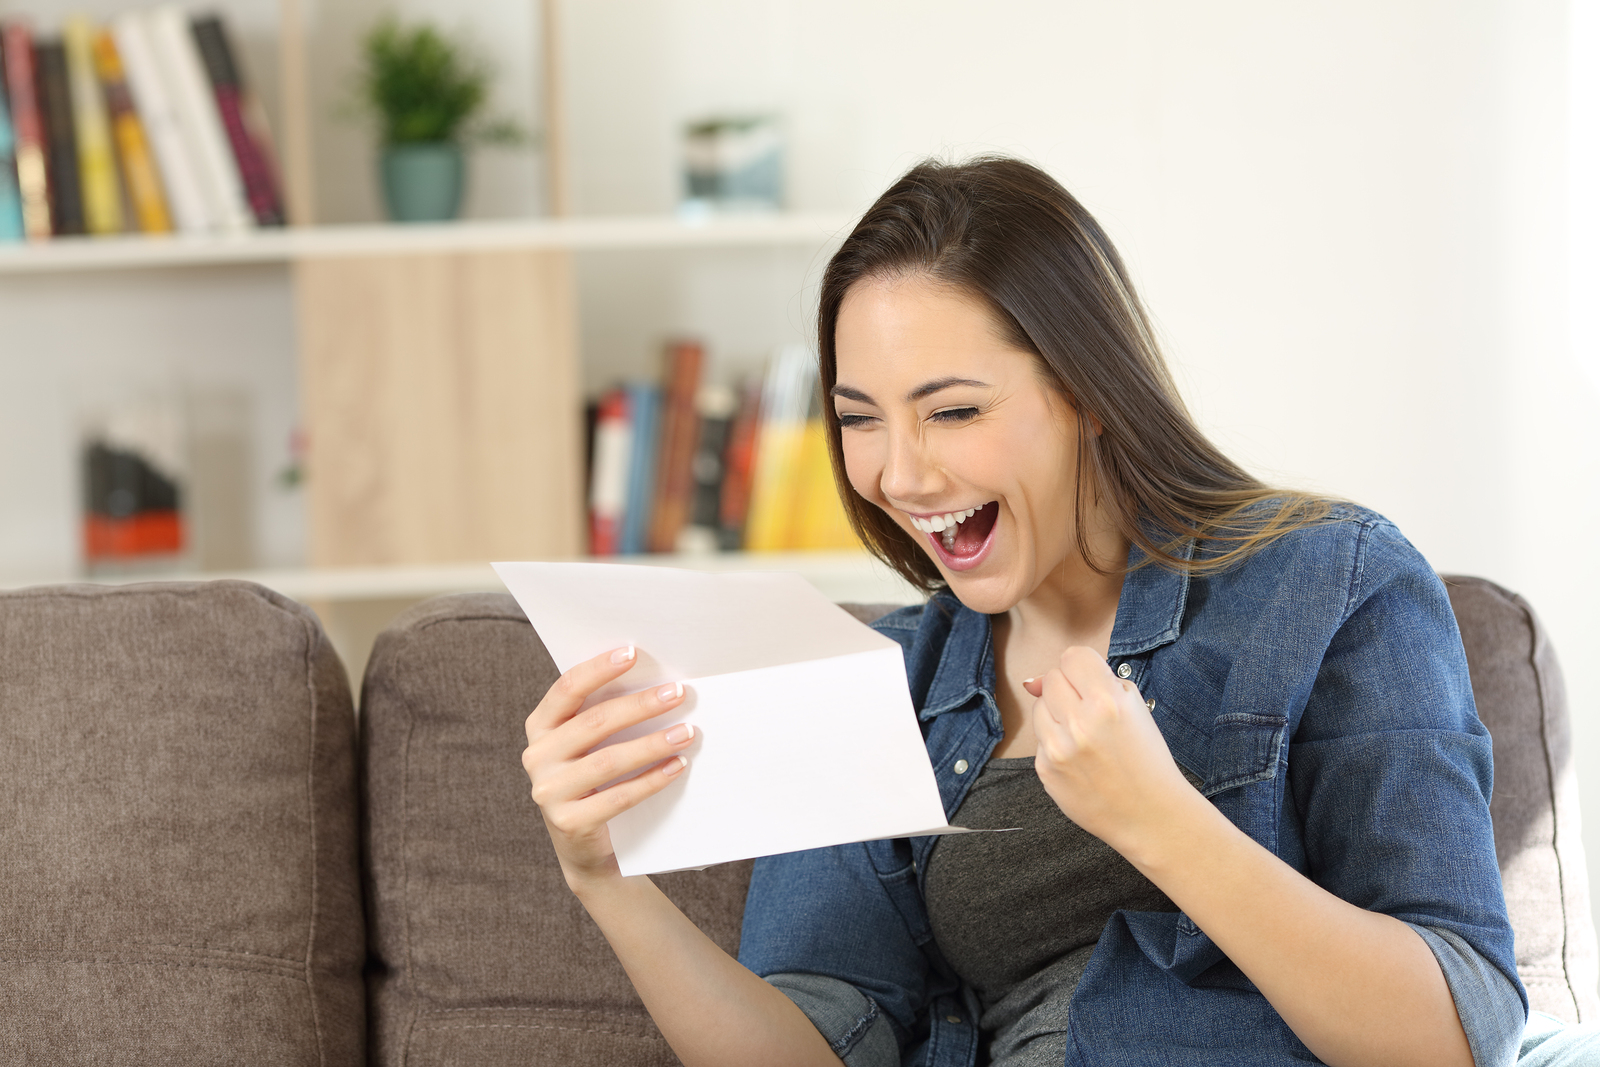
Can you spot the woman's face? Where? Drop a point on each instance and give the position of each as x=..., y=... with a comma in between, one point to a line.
x=954, y=434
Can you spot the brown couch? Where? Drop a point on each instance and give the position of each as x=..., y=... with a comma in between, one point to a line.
x=205, y=862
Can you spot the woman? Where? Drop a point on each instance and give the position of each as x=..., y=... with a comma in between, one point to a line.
x=1234, y=723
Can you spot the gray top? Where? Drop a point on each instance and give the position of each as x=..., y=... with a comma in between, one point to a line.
x=1017, y=915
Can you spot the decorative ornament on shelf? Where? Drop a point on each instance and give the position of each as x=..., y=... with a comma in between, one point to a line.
x=426, y=92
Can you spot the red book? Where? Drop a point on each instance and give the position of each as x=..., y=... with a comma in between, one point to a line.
x=680, y=432
x=28, y=124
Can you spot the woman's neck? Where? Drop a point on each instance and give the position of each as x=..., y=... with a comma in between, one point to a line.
x=1075, y=605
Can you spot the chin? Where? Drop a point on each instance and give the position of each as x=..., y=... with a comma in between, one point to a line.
x=981, y=597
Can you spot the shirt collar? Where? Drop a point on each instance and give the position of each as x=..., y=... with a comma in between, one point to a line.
x=1150, y=609
x=1149, y=615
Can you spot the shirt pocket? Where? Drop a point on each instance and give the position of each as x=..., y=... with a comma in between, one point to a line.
x=1242, y=775
x=1245, y=749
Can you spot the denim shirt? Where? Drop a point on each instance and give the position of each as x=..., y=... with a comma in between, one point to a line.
x=1318, y=690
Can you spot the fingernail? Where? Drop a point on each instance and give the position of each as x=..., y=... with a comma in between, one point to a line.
x=680, y=733
x=677, y=764
x=622, y=655
x=1029, y=681
x=669, y=692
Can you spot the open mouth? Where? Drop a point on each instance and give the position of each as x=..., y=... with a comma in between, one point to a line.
x=960, y=538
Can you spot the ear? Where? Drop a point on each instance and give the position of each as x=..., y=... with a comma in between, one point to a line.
x=1094, y=423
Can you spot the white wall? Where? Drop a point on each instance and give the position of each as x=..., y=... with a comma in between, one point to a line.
x=1349, y=220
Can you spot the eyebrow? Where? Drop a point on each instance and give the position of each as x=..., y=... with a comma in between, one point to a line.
x=924, y=390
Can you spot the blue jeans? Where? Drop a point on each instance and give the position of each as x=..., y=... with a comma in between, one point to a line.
x=1548, y=1042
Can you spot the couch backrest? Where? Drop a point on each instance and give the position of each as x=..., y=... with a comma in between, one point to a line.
x=177, y=776
x=1521, y=698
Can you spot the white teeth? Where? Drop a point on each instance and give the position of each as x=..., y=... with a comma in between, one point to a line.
x=944, y=523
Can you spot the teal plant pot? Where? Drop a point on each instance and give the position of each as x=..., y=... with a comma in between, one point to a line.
x=422, y=182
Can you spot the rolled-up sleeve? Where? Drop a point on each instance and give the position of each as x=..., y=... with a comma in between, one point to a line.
x=1489, y=1006
x=822, y=927
x=857, y=1031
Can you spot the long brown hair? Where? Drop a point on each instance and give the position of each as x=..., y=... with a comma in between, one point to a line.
x=1009, y=234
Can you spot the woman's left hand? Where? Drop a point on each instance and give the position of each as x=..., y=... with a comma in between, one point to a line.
x=1100, y=756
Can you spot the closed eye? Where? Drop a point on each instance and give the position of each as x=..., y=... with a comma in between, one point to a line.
x=954, y=415
x=847, y=421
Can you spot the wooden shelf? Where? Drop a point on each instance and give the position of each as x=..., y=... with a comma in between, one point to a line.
x=844, y=576
x=286, y=245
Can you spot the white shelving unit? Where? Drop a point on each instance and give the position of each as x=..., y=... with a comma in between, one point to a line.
x=288, y=245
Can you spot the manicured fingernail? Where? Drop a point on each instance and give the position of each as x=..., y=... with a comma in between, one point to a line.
x=669, y=692
x=677, y=764
x=622, y=655
x=680, y=733
x=1029, y=681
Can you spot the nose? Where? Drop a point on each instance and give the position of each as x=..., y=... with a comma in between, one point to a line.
x=910, y=473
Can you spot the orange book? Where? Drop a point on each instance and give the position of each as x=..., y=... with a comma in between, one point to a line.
x=738, y=466
x=133, y=150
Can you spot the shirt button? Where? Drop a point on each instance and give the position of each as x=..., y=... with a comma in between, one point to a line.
x=961, y=766
x=1124, y=669
x=952, y=1018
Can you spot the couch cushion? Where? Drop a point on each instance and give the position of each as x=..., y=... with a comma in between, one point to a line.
x=1521, y=698
x=480, y=953
x=181, y=884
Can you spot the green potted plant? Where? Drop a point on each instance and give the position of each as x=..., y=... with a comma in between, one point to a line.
x=426, y=93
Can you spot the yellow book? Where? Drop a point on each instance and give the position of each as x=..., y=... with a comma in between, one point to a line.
x=97, y=168
x=139, y=172
x=819, y=521
x=772, y=496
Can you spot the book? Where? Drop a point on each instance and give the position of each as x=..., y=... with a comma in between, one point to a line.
x=10, y=195
x=131, y=506
x=738, y=467
x=608, y=480
x=61, y=143
x=205, y=142
x=227, y=86
x=27, y=125
x=717, y=405
x=139, y=174
x=680, y=431
x=97, y=167
x=819, y=520
x=153, y=102
x=644, y=404
x=785, y=400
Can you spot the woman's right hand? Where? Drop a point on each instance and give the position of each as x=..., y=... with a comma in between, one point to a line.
x=567, y=771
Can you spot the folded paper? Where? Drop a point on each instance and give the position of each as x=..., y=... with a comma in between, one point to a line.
x=804, y=731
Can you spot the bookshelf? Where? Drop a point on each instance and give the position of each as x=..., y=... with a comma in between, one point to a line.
x=438, y=365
